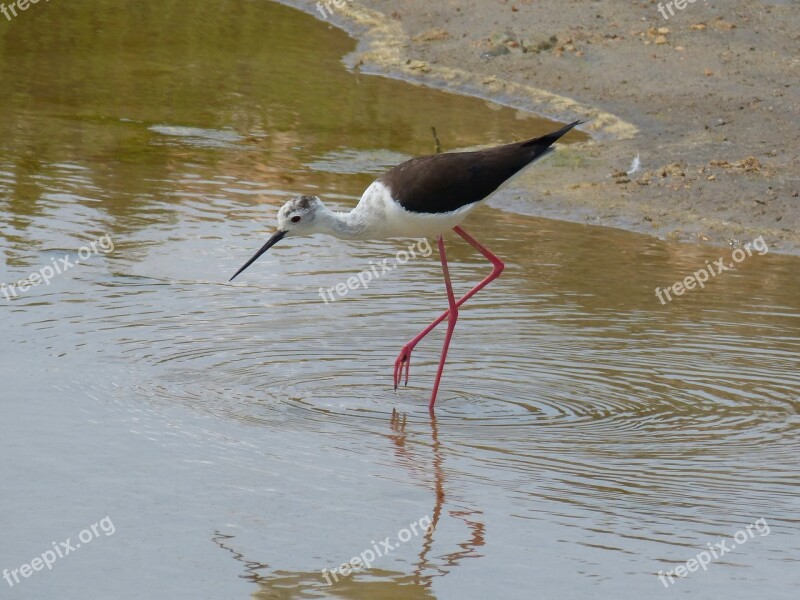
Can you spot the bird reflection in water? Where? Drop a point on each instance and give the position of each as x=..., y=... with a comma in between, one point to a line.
x=376, y=583
x=469, y=549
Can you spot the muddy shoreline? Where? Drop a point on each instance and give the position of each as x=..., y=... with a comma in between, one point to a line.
x=707, y=99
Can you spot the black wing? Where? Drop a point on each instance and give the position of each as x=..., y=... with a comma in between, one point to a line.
x=446, y=182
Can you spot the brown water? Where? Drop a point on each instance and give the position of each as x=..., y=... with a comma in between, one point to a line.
x=244, y=437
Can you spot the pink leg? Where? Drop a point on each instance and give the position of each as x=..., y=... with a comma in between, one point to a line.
x=452, y=318
x=404, y=359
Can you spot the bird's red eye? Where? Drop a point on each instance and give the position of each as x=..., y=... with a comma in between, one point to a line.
x=296, y=219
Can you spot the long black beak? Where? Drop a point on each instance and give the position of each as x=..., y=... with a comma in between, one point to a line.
x=276, y=237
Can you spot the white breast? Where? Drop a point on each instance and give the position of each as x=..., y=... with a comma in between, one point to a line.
x=385, y=218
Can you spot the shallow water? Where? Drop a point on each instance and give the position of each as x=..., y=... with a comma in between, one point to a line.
x=244, y=437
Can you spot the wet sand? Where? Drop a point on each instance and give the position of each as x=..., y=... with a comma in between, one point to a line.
x=708, y=99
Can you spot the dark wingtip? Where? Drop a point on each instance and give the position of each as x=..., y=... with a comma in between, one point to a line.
x=551, y=138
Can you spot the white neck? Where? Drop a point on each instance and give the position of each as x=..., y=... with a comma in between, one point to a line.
x=344, y=225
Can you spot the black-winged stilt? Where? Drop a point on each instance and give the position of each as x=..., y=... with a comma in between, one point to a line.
x=424, y=196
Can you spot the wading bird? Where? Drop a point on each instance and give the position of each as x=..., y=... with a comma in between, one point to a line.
x=424, y=196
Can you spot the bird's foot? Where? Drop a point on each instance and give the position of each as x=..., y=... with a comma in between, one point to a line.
x=403, y=361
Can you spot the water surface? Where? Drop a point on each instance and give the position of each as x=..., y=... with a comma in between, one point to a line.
x=245, y=437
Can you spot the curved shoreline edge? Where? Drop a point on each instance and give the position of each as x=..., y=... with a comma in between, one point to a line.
x=698, y=184
x=383, y=50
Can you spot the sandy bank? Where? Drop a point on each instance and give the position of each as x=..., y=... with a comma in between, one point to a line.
x=708, y=99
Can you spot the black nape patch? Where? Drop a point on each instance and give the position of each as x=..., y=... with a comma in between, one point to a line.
x=305, y=202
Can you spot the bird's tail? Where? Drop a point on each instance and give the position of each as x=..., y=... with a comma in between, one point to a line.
x=548, y=140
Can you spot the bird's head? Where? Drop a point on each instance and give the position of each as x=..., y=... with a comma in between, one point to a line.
x=297, y=217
